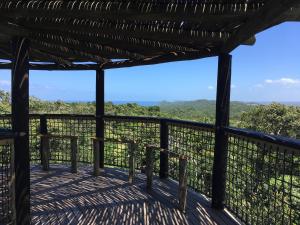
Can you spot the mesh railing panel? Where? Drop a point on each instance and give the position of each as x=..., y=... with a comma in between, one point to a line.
x=83, y=127
x=198, y=144
x=34, y=139
x=263, y=181
x=7, y=215
x=143, y=132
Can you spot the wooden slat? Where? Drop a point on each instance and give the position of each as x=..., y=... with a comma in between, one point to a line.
x=60, y=197
x=151, y=10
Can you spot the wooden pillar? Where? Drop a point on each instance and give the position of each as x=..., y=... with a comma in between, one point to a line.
x=45, y=152
x=132, y=148
x=74, y=154
x=20, y=125
x=164, y=144
x=150, y=155
x=221, y=140
x=100, y=114
x=43, y=131
x=96, y=156
x=182, y=183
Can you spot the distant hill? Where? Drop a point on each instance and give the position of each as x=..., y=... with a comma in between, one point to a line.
x=198, y=109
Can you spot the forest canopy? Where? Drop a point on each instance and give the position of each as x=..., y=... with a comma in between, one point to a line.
x=275, y=118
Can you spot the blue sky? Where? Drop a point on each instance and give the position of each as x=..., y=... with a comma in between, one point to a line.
x=267, y=71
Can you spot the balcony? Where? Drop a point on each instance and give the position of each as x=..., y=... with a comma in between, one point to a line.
x=261, y=182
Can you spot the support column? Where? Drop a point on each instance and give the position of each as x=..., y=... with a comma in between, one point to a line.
x=20, y=125
x=221, y=140
x=43, y=132
x=100, y=113
x=164, y=144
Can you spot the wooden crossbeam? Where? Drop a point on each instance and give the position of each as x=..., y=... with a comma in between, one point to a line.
x=269, y=15
x=170, y=57
x=56, y=59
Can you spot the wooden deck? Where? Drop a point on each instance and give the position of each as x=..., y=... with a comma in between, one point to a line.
x=60, y=197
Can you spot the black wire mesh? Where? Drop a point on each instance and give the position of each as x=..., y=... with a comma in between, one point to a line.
x=83, y=127
x=263, y=181
x=197, y=143
x=34, y=139
x=7, y=215
x=142, y=131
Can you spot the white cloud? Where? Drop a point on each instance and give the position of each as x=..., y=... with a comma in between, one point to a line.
x=211, y=88
x=283, y=81
x=258, y=85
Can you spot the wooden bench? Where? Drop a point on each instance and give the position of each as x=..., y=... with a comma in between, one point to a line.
x=45, y=146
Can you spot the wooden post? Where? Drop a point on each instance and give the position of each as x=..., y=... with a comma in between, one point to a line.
x=45, y=144
x=43, y=131
x=73, y=154
x=149, y=166
x=164, y=144
x=221, y=140
x=131, y=151
x=20, y=124
x=100, y=113
x=182, y=183
x=96, y=157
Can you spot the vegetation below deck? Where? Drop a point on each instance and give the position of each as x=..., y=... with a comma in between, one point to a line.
x=275, y=118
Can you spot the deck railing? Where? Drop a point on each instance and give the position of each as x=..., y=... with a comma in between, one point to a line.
x=7, y=200
x=263, y=171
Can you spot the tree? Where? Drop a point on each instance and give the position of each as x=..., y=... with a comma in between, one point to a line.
x=276, y=119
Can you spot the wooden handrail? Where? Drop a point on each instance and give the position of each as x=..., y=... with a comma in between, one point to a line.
x=6, y=141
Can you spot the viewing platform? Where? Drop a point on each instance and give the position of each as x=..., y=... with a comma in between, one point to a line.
x=61, y=197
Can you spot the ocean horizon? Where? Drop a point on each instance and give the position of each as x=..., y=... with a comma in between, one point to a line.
x=157, y=103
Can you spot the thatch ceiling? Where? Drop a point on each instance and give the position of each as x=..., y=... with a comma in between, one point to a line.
x=127, y=33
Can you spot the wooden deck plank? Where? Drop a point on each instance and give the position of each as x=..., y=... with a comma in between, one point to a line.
x=60, y=197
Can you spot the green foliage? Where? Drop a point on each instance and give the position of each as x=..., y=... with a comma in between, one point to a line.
x=274, y=119
x=4, y=102
x=201, y=110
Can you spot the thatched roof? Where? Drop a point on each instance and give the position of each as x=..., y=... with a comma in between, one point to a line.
x=122, y=33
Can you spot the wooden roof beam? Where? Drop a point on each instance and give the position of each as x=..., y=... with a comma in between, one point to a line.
x=271, y=14
x=54, y=58
x=171, y=57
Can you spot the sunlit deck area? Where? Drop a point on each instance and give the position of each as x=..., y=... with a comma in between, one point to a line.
x=61, y=197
